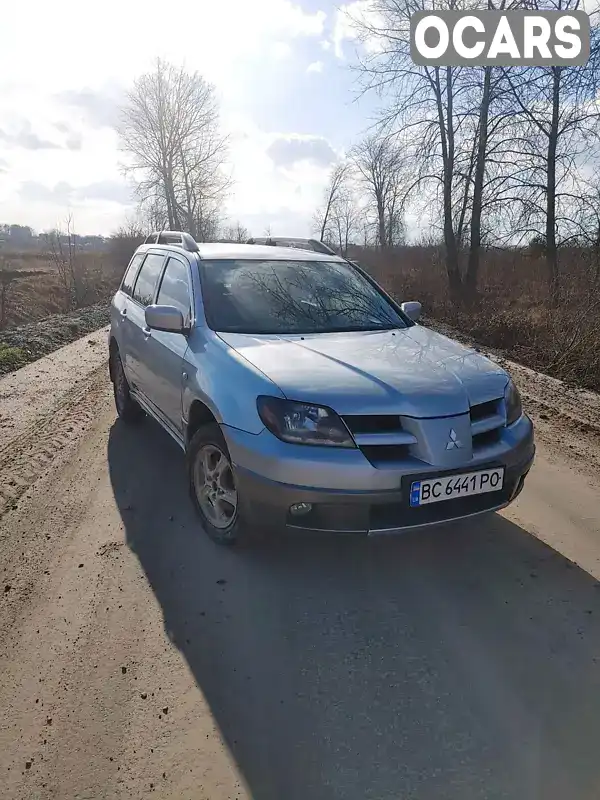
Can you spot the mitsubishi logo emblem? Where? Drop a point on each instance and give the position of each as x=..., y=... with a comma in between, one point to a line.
x=453, y=440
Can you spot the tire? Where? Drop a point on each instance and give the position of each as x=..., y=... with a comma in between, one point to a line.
x=127, y=408
x=213, y=489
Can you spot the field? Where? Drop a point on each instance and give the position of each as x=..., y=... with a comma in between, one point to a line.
x=38, y=289
x=513, y=313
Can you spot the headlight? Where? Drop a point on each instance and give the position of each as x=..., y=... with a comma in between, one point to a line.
x=303, y=423
x=512, y=399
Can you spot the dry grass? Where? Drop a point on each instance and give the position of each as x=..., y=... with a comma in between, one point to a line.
x=40, y=293
x=513, y=313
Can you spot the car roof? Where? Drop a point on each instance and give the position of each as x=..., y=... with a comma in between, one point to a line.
x=261, y=252
x=255, y=252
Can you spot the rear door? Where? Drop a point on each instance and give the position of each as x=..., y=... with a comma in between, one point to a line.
x=165, y=351
x=121, y=308
x=144, y=292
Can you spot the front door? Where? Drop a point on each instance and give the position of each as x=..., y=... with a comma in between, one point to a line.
x=144, y=292
x=165, y=351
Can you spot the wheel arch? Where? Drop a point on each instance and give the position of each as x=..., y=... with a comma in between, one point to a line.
x=199, y=414
x=113, y=348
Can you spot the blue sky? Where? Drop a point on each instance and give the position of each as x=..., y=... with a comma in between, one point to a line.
x=281, y=69
x=321, y=102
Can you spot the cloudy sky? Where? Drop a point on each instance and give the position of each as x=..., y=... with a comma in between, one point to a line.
x=281, y=69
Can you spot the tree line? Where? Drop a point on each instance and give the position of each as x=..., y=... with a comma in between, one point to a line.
x=490, y=157
x=493, y=156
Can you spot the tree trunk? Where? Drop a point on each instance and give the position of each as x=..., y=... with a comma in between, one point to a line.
x=596, y=256
x=447, y=141
x=192, y=227
x=381, y=223
x=475, y=244
x=326, y=216
x=551, y=249
x=169, y=189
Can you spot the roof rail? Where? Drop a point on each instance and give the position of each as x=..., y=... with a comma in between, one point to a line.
x=286, y=241
x=268, y=241
x=179, y=238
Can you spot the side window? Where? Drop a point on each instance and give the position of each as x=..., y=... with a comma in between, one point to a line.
x=174, y=288
x=129, y=279
x=148, y=278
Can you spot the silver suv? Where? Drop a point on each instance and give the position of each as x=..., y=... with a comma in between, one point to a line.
x=304, y=396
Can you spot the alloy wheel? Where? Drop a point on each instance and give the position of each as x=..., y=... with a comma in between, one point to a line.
x=215, y=487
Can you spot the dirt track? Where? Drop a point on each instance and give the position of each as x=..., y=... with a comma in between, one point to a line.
x=138, y=659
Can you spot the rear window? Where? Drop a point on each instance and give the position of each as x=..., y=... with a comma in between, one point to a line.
x=132, y=270
x=147, y=279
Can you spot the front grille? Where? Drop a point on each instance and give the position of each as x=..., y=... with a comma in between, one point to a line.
x=372, y=423
x=383, y=440
x=380, y=437
x=487, y=421
x=385, y=453
x=483, y=410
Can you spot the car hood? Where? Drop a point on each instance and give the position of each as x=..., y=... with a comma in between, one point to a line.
x=414, y=372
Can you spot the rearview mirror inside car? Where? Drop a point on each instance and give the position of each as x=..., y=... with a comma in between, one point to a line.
x=412, y=310
x=165, y=318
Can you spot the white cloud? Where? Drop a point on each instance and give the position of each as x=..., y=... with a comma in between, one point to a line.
x=124, y=37
x=316, y=66
x=275, y=191
x=281, y=50
x=68, y=101
x=348, y=21
x=287, y=150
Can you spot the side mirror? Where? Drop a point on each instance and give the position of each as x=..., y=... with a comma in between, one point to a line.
x=165, y=318
x=412, y=310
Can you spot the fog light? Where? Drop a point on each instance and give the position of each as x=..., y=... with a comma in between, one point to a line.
x=300, y=508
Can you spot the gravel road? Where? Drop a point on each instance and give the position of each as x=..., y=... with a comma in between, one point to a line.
x=138, y=659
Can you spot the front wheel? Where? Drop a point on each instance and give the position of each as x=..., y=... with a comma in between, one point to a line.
x=213, y=488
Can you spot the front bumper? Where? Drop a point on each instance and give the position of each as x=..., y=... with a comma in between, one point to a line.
x=267, y=503
x=381, y=505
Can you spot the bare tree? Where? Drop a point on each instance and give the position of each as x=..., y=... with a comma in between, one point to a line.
x=421, y=106
x=379, y=166
x=171, y=134
x=587, y=221
x=236, y=233
x=64, y=253
x=343, y=227
x=335, y=185
x=152, y=213
x=124, y=242
x=559, y=117
x=441, y=116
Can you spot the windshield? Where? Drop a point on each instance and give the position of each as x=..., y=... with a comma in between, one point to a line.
x=279, y=297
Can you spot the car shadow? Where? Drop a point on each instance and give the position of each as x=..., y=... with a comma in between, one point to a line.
x=456, y=662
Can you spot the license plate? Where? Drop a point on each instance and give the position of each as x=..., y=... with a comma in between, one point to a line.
x=449, y=487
